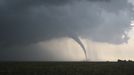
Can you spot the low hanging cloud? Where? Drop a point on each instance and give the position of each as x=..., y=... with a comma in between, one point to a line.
x=30, y=21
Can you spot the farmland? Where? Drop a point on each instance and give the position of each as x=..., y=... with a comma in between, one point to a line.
x=66, y=68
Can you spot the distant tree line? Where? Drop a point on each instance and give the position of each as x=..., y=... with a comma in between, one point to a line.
x=119, y=60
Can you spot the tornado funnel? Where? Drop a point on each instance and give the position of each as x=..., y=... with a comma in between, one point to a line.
x=76, y=38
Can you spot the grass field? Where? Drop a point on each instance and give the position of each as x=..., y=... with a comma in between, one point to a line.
x=66, y=68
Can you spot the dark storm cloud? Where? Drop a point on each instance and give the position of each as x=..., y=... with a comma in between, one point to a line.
x=30, y=21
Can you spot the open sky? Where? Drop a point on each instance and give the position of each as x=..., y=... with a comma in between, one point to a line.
x=64, y=30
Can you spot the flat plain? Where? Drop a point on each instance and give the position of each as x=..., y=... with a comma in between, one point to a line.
x=66, y=68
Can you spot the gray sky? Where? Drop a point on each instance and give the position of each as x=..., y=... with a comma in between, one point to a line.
x=28, y=25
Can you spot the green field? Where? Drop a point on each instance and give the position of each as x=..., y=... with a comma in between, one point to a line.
x=66, y=68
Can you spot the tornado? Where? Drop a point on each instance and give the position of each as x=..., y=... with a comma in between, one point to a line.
x=76, y=38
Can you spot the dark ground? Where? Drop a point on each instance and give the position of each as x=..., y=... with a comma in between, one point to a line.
x=66, y=68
